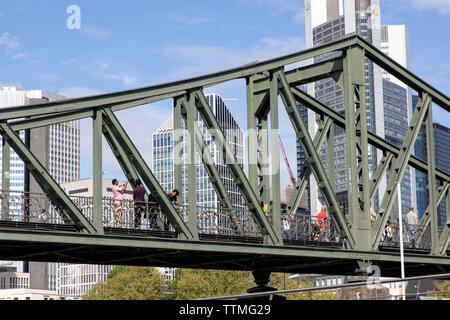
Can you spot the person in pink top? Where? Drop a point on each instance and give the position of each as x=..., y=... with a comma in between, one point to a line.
x=118, y=197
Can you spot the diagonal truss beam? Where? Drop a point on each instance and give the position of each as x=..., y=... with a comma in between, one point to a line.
x=139, y=164
x=208, y=162
x=373, y=139
x=120, y=155
x=54, y=192
x=211, y=169
x=303, y=179
x=385, y=162
x=398, y=169
x=313, y=159
x=425, y=220
x=236, y=171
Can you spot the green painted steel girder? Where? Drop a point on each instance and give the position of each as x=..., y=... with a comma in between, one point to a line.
x=379, y=173
x=53, y=190
x=171, y=89
x=145, y=173
x=403, y=74
x=373, y=139
x=398, y=169
x=313, y=160
x=130, y=242
x=208, y=162
x=236, y=171
x=305, y=173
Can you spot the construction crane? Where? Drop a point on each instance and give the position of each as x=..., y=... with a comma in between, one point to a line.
x=287, y=162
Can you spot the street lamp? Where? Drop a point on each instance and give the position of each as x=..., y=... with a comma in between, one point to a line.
x=400, y=225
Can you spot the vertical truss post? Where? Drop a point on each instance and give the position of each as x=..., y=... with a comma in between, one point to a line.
x=97, y=213
x=53, y=190
x=302, y=180
x=134, y=157
x=210, y=166
x=433, y=204
x=425, y=220
x=192, y=180
x=444, y=238
x=263, y=159
x=357, y=146
x=6, y=150
x=398, y=168
x=207, y=159
x=330, y=156
x=251, y=134
x=177, y=145
x=275, y=154
x=313, y=159
x=236, y=171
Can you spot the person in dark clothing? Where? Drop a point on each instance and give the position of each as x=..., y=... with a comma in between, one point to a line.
x=139, y=203
x=152, y=211
x=173, y=196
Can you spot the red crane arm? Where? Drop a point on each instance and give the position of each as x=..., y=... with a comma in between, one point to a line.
x=287, y=162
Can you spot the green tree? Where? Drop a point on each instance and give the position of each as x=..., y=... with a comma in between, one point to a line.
x=281, y=281
x=200, y=283
x=129, y=283
x=443, y=290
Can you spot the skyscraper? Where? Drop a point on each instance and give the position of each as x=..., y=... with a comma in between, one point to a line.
x=328, y=20
x=162, y=161
x=58, y=149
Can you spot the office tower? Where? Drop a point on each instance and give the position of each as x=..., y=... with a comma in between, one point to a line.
x=162, y=161
x=397, y=99
x=442, y=158
x=441, y=135
x=58, y=149
x=326, y=21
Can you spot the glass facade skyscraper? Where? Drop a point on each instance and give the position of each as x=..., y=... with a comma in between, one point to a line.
x=163, y=157
x=326, y=21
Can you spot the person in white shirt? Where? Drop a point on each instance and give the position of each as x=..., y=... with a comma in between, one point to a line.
x=285, y=223
x=412, y=223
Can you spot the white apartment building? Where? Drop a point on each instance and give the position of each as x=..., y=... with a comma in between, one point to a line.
x=56, y=146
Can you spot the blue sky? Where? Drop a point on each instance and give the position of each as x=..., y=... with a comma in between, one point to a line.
x=128, y=44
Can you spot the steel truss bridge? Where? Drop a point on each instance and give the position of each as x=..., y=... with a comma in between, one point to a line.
x=83, y=235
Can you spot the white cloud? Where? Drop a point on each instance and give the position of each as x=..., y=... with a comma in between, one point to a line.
x=198, y=60
x=189, y=20
x=8, y=41
x=19, y=56
x=68, y=61
x=76, y=92
x=443, y=6
x=96, y=33
x=126, y=78
x=294, y=8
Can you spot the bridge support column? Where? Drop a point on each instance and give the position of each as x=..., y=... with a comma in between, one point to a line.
x=357, y=146
x=97, y=214
x=262, y=278
x=5, y=178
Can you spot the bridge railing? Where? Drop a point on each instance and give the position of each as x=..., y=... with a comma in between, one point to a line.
x=223, y=221
x=311, y=229
x=21, y=206
x=414, y=236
